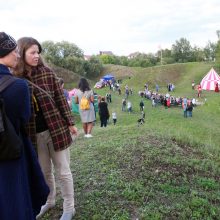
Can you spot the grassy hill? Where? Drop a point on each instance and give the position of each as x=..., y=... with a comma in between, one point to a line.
x=169, y=168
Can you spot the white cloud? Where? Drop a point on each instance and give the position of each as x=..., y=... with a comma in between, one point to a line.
x=122, y=26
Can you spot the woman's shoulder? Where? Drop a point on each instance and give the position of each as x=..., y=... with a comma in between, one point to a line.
x=78, y=92
x=45, y=69
x=89, y=91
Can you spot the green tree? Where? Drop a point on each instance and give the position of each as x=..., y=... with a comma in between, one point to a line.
x=218, y=48
x=123, y=60
x=51, y=52
x=182, y=51
x=166, y=57
x=210, y=51
x=107, y=59
x=93, y=67
x=69, y=56
x=74, y=64
x=198, y=54
x=67, y=49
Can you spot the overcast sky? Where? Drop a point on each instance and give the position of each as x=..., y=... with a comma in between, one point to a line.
x=120, y=26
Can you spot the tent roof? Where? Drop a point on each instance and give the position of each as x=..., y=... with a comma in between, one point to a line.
x=108, y=77
x=210, y=80
x=72, y=92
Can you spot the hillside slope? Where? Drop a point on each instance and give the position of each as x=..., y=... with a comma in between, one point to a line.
x=179, y=74
x=167, y=168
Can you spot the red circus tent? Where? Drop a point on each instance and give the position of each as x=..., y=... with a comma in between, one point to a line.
x=210, y=80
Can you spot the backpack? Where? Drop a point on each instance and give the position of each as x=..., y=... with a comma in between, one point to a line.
x=10, y=143
x=84, y=103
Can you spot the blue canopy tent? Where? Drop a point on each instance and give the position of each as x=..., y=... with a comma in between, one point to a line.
x=108, y=77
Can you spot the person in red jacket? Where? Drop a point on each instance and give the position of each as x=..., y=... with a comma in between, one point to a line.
x=216, y=87
x=199, y=91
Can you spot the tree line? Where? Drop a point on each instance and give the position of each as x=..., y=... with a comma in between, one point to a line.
x=71, y=57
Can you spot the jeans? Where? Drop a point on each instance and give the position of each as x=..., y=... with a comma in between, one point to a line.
x=189, y=113
x=60, y=160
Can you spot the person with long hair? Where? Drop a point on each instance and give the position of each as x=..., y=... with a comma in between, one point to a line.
x=51, y=124
x=88, y=115
x=23, y=189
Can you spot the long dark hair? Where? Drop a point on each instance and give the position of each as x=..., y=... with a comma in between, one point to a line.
x=83, y=85
x=25, y=43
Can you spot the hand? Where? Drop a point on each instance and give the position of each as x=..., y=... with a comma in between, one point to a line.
x=73, y=130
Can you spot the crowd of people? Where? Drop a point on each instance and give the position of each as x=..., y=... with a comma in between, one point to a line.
x=45, y=125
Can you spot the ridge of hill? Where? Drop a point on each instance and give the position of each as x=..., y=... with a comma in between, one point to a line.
x=70, y=78
x=175, y=73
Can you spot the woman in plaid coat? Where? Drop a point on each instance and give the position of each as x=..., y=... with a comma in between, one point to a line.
x=51, y=124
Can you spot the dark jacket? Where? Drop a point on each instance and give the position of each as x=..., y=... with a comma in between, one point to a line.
x=23, y=189
x=103, y=110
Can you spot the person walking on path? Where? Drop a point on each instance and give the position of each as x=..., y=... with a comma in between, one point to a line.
x=141, y=105
x=50, y=126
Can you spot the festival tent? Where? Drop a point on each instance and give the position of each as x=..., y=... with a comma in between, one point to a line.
x=72, y=92
x=108, y=77
x=210, y=80
x=99, y=85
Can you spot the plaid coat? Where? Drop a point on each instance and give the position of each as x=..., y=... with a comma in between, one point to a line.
x=57, y=114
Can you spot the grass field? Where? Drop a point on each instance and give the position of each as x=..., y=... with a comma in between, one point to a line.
x=168, y=168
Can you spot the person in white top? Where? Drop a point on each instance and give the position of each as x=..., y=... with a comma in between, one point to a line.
x=114, y=117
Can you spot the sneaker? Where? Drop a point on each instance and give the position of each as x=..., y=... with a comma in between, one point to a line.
x=85, y=135
x=44, y=209
x=89, y=136
x=68, y=215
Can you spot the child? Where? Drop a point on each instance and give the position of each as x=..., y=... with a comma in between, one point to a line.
x=114, y=117
x=153, y=102
x=141, y=120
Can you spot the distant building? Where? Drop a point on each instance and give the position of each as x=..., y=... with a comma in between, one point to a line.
x=106, y=53
x=133, y=55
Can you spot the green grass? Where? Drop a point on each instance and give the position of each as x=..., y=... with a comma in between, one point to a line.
x=169, y=168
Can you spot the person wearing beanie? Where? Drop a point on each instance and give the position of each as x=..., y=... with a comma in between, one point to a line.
x=51, y=124
x=7, y=44
x=23, y=189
